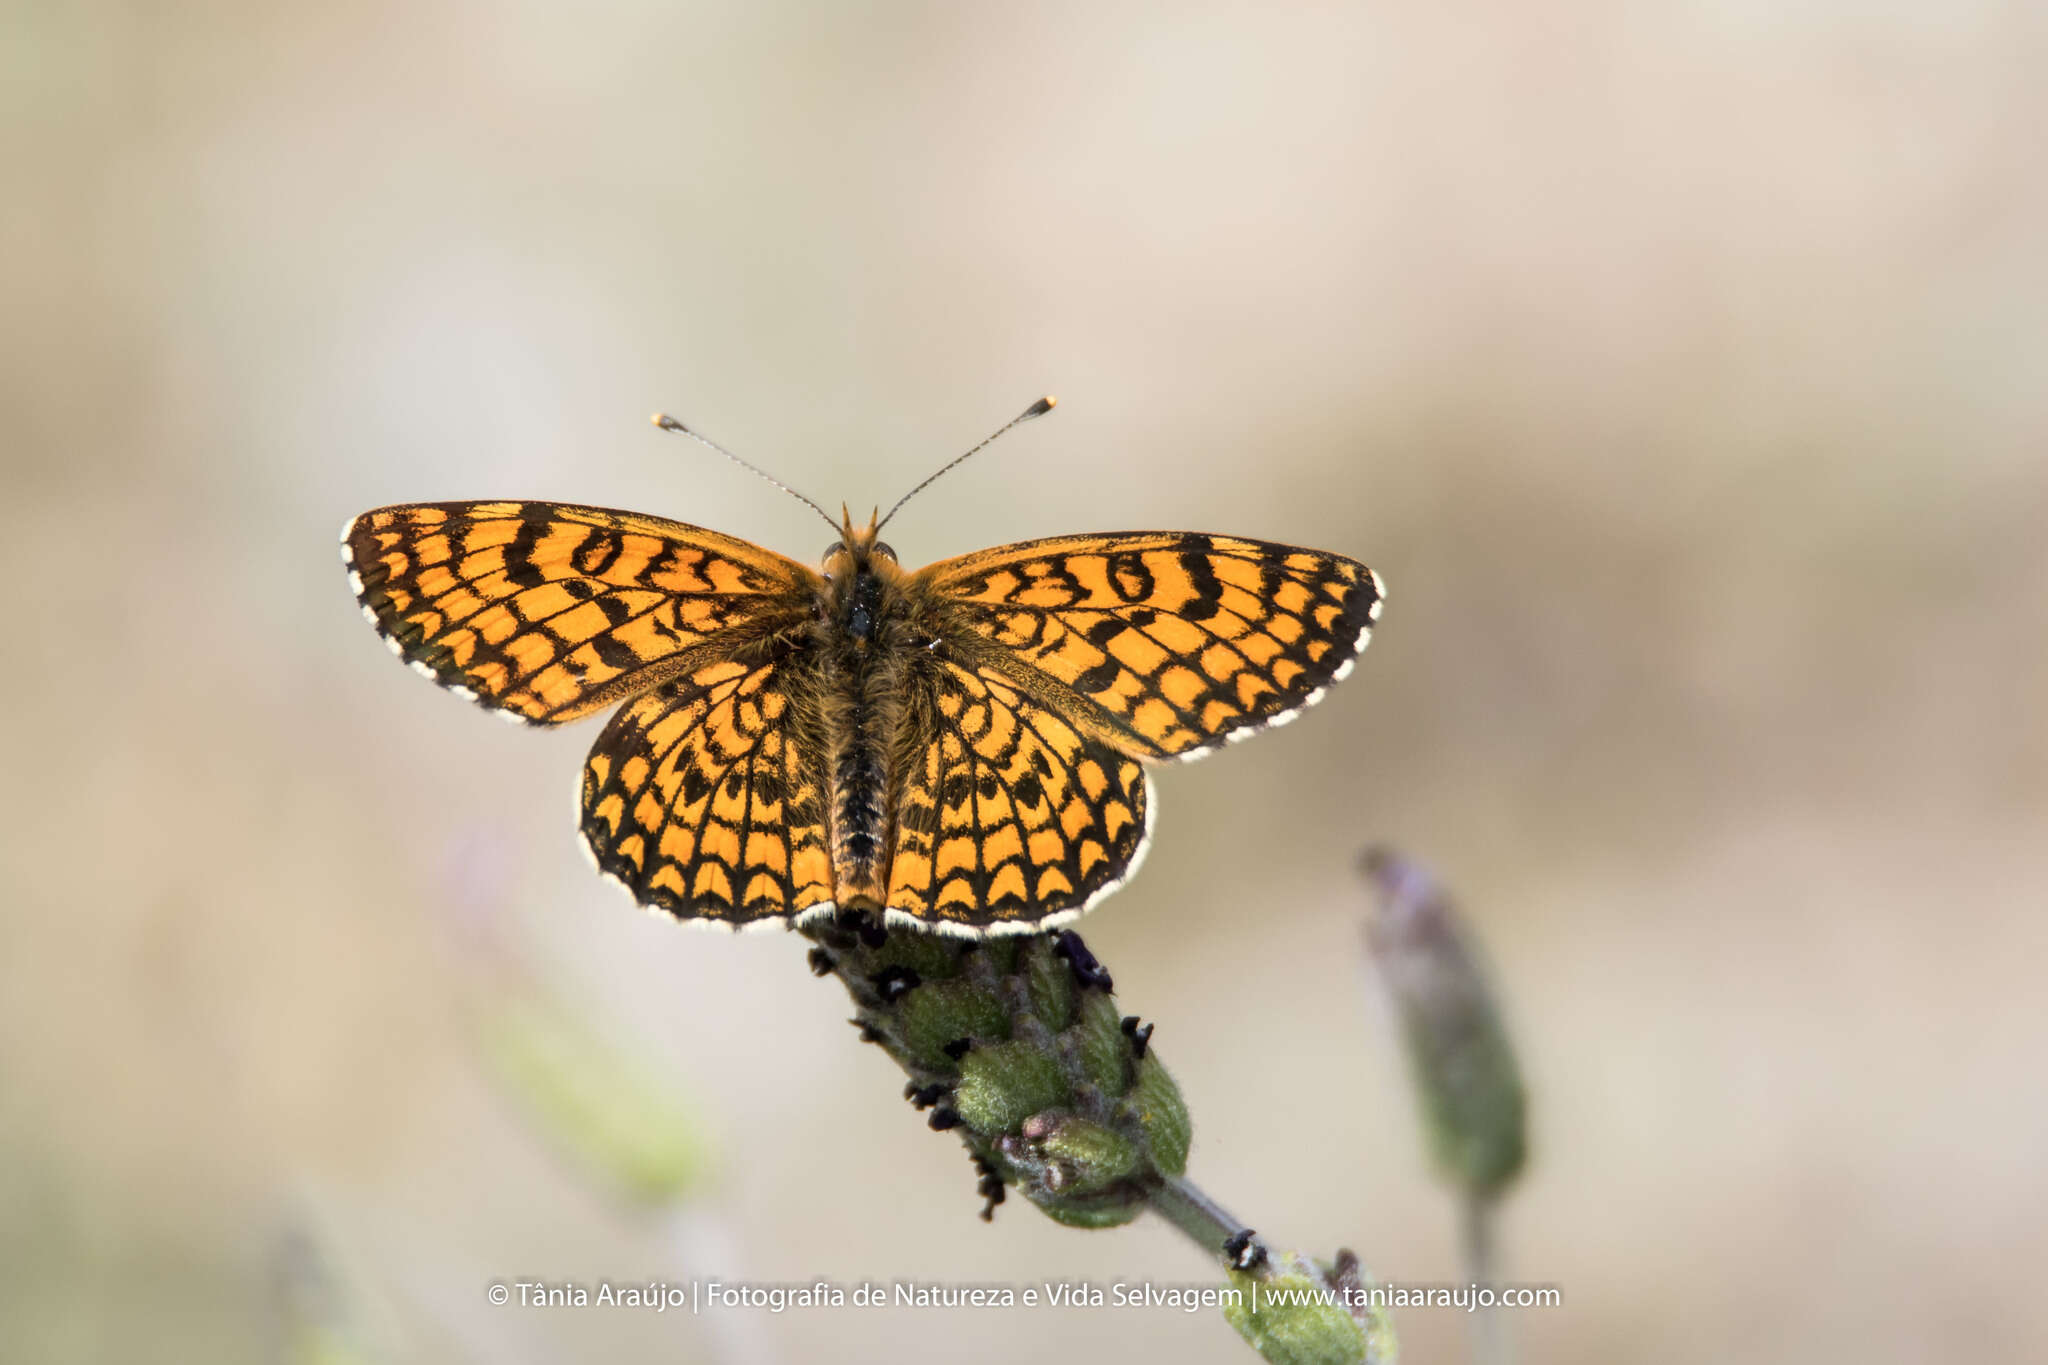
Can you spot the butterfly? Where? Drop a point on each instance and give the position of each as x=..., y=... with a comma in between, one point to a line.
x=959, y=748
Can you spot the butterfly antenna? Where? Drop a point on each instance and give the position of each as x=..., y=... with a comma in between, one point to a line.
x=1038, y=409
x=668, y=423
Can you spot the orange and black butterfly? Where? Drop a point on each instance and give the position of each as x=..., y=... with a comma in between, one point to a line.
x=959, y=748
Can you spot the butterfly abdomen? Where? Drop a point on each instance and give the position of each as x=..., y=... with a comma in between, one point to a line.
x=857, y=805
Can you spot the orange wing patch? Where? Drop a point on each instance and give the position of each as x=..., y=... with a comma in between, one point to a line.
x=549, y=612
x=1165, y=644
x=1011, y=819
x=702, y=798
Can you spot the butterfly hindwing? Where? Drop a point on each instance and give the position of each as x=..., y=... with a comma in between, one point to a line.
x=547, y=611
x=1010, y=818
x=1166, y=643
x=704, y=797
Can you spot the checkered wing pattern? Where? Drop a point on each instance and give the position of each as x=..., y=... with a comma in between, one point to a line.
x=547, y=612
x=1164, y=644
x=705, y=798
x=1011, y=815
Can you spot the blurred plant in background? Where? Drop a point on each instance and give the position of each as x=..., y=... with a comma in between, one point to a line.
x=623, y=1128
x=317, y=1319
x=1468, y=1087
x=616, y=1119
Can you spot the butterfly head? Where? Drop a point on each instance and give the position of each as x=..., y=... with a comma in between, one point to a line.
x=858, y=550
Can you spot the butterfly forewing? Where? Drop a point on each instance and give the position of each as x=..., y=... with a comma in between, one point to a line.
x=549, y=611
x=1166, y=644
x=1011, y=818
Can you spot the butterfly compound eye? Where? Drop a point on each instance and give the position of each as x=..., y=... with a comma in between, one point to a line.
x=885, y=550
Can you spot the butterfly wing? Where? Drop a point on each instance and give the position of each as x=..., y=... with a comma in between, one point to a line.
x=1010, y=819
x=1165, y=644
x=704, y=796
x=548, y=612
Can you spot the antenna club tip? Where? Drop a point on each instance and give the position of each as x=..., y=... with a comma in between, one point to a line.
x=1041, y=407
x=666, y=422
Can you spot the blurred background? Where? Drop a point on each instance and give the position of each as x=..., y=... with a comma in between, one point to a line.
x=1683, y=370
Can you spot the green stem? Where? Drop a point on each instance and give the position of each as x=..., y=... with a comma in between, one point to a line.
x=1182, y=1203
x=1489, y=1335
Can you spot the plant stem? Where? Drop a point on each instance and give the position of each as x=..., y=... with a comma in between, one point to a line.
x=1489, y=1337
x=1182, y=1203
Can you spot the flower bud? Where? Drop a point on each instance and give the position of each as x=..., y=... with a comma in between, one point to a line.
x=1460, y=1058
x=1017, y=1043
x=1296, y=1311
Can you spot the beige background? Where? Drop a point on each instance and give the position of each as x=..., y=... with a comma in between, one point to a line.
x=1683, y=368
